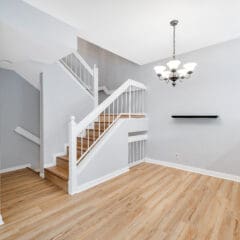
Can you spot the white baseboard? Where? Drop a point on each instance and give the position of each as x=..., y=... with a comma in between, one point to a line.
x=1, y=220
x=136, y=163
x=196, y=170
x=28, y=165
x=100, y=180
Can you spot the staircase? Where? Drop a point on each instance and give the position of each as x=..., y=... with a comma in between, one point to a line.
x=126, y=102
x=59, y=174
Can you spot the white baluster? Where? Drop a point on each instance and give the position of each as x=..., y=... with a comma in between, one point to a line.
x=99, y=123
x=81, y=143
x=95, y=84
x=117, y=105
x=122, y=103
x=130, y=101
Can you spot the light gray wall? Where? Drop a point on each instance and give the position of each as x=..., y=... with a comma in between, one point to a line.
x=19, y=106
x=113, y=69
x=213, y=89
x=62, y=97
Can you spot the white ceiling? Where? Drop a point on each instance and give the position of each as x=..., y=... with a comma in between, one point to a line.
x=139, y=29
x=30, y=39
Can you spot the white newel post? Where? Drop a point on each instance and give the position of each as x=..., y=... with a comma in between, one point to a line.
x=95, y=79
x=1, y=220
x=72, y=181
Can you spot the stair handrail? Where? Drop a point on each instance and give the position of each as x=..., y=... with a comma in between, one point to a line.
x=91, y=74
x=84, y=63
x=82, y=125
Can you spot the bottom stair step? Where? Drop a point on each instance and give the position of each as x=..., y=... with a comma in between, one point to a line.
x=58, y=176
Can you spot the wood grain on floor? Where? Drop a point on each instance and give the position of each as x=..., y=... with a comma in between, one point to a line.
x=149, y=202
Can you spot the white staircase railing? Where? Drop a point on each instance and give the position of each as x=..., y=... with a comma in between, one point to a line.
x=84, y=74
x=127, y=101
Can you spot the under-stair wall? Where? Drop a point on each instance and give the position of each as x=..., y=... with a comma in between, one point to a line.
x=110, y=156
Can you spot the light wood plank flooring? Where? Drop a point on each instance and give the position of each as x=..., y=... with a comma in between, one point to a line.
x=149, y=202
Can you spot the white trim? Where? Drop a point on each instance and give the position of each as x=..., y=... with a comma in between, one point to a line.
x=137, y=138
x=109, y=92
x=42, y=175
x=16, y=168
x=73, y=78
x=28, y=135
x=1, y=220
x=133, y=164
x=100, y=180
x=105, y=90
x=202, y=171
x=41, y=160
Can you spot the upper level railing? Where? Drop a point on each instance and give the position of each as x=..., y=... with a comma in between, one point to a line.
x=83, y=73
x=126, y=101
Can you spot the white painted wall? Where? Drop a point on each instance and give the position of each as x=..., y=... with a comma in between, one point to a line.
x=62, y=97
x=212, y=144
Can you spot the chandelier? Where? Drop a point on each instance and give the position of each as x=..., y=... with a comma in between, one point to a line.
x=172, y=71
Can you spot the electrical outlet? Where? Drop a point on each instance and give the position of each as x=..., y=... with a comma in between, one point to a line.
x=177, y=156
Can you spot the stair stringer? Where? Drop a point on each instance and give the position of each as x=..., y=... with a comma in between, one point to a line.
x=109, y=157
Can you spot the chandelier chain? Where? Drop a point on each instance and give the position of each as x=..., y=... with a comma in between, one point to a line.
x=174, y=42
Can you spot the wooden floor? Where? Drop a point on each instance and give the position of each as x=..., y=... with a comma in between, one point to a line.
x=149, y=202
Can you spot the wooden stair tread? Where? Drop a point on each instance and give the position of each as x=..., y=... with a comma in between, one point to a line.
x=58, y=171
x=132, y=115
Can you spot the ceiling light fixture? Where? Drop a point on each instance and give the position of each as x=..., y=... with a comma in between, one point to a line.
x=172, y=71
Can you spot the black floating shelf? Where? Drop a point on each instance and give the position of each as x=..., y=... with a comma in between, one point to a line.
x=194, y=116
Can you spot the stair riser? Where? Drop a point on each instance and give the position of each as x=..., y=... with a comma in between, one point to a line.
x=107, y=118
x=84, y=142
x=63, y=184
x=62, y=163
x=101, y=126
x=79, y=149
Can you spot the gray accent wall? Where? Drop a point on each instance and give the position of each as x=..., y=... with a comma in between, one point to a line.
x=19, y=106
x=113, y=69
x=214, y=88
